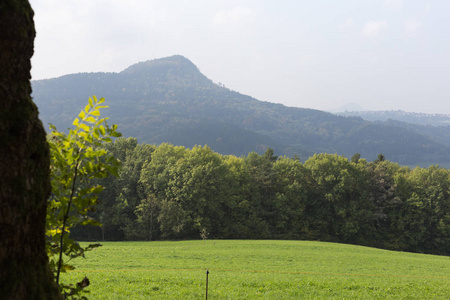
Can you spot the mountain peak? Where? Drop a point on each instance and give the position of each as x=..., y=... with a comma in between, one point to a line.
x=175, y=61
x=176, y=69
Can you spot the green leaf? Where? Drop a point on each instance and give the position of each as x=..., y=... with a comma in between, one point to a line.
x=96, y=133
x=66, y=267
x=84, y=127
x=102, y=129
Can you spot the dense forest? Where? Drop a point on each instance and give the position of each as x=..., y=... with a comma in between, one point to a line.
x=435, y=120
x=173, y=192
x=170, y=100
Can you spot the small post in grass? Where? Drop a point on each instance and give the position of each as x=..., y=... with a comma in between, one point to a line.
x=207, y=272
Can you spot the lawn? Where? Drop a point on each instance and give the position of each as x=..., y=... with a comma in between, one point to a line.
x=245, y=269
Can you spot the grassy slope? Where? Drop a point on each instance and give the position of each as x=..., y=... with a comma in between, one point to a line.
x=260, y=270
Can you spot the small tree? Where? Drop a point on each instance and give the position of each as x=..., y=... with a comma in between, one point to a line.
x=76, y=159
x=380, y=158
x=146, y=213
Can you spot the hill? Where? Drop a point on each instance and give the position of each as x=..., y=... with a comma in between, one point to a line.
x=402, y=116
x=435, y=126
x=169, y=100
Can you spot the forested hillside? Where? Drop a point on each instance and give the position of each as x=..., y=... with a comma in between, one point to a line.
x=435, y=126
x=169, y=100
x=401, y=116
x=171, y=192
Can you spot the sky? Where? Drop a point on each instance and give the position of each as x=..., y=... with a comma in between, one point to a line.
x=321, y=54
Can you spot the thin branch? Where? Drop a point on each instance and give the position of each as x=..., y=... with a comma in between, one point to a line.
x=66, y=216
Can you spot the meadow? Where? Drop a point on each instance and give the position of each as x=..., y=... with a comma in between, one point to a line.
x=264, y=269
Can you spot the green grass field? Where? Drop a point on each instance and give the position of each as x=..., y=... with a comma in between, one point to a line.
x=244, y=269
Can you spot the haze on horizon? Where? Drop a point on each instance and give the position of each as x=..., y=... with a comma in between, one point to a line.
x=377, y=54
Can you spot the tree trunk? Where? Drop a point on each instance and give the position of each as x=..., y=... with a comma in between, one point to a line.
x=24, y=164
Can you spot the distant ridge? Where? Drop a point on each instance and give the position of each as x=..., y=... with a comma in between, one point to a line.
x=400, y=115
x=170, y=100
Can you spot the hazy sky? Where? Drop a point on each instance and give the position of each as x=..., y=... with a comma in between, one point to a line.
x=323, y=54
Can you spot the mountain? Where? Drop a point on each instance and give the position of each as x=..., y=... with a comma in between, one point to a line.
x=169, y=100
x=399, y=115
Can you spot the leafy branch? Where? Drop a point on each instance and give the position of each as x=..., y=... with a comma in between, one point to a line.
x=77, y=159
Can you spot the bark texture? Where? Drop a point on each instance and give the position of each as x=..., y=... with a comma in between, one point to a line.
x=24, y=164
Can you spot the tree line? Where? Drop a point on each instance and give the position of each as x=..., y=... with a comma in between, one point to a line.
x=171, y=192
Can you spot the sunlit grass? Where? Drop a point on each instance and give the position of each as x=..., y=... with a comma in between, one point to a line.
x=246, y=269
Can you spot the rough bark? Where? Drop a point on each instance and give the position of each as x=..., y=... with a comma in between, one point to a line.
x=24, y=164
